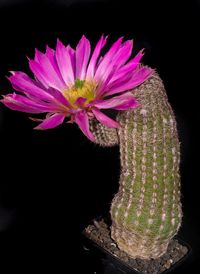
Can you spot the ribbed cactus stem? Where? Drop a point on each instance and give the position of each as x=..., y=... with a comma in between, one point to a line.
x=146, y=212
x=104, y=136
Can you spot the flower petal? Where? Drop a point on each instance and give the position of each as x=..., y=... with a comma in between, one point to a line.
x=80, y=101
x=52, y=121
x=64, y=63
x=105, y=66
x=93, y=61
x=72, y=55
x=39, y=73
x=82, y=57
x=102, y=87
x=123, y=53
x=22, y=103
x=137, y=78
x=121, y=102
x=127, y=69
x=50, y=53
x=81, y=118
x=23, y=83
x=54, y=79
x=120, y=74
x=120, y=57
x=59, y=97
x=104, y=119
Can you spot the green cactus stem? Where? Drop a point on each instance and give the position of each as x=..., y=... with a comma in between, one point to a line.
x=146, y=212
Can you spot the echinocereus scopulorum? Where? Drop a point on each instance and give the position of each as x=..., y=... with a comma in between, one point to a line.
x=78, y=84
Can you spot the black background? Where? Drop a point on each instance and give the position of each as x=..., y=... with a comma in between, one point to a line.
x=52, y=183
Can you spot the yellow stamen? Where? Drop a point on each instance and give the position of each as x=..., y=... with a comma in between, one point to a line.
x=85, y=89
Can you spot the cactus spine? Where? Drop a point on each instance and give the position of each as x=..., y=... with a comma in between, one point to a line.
x=146, y=212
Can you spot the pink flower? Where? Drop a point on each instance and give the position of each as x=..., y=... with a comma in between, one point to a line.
x=71, y=83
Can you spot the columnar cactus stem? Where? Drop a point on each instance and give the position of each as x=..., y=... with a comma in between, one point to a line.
x=146, y=212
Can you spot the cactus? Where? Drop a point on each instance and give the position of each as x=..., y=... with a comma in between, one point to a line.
x=146, y=212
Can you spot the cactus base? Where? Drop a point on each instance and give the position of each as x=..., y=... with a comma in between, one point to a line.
x=100, y=247
x=136, y=246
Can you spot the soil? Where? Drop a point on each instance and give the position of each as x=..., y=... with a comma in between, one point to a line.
x=99, y=232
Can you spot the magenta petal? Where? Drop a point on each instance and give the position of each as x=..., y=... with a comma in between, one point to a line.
x=121, y=102
x=134, y=61
x=81, y=118
x=127, y=69
x=124, y=79
x=39, y=73
x=53, y=79
x=19, y=107
x=82, y=57
x=21, y=103
x=93, y=61
x=102, y=87
x=72, y=55
x=105, y=120
x=50, y=53
x=115, y=63
x=80, y=101
x=23, y=83
x=121, y=76
x=123, y=54
x=52, y=121
x=137, y=78
x=65, y=64
x=106, y=66
x=124, y=73
x=59, y=97
x=42, y=75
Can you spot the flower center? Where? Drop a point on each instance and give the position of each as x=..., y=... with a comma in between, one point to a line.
x=81, y=88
